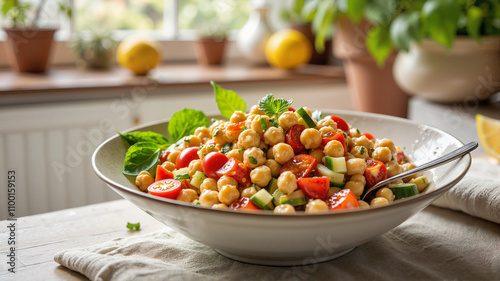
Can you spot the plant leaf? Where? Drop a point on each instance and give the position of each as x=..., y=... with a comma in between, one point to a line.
x=141, y=156
x=322, y=24
x=380, y=11
x=135, y=137
x=228, y=101
x=379, y=43
x=406, y=29
x=440, y=18
x=355, y=9
x=474, y=19
x=274, y=107
x=185, y=122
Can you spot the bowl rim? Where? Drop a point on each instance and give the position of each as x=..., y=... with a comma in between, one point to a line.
x=401, y=203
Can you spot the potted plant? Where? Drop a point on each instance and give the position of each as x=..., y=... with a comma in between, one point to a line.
x=28, y=45
x=452, y=49
x=94, y=48
x=211, y=43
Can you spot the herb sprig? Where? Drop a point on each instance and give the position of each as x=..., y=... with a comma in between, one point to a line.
x=274, y=107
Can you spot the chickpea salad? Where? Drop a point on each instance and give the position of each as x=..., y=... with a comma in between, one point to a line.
x=272, y=157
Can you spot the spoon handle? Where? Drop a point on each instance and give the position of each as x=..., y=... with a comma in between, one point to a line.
x=434, y=163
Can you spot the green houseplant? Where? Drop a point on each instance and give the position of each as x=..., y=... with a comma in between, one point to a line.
x=28, y=45
x=95, y=48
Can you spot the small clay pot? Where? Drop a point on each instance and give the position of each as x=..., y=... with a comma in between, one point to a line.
x=210, y=51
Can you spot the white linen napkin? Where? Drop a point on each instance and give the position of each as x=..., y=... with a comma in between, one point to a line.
x=478, y=193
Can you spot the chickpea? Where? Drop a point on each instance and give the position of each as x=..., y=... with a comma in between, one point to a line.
x=225, y=180
x=168, y=165
x=236, y=154
x=248, y=138
x=362, y=141
x=187, y=195
x=287, y=182
x=318, y=154
x=309, y=112
x=192, y=140
x=238, y=116
x=310, y=138
x=232, y=136
x=274, y=135
x=363, y=204
x=355, y=133
x=219, y=136
x=316, y=206
x=261, y=175
x=360, y=152
x=254, y=157
x=379, y=201
x=282, y=153
x=256, y=124
x=203, y=133
x=217, y=123
x=208, y=184
x=393, y=169
x=270, y=153
x=249, y=191
x=326, y=123
x=382, y=154
x=255, y=110
x=334, y=149
x=421, y=183
x=406, y=167
x=355, y=166
x=358, y=177
x=386, y=143
x=274, y=166
x=206, y=149
x=228, y=193
x=325, y=130
x=209, y=198
x=287, y=120
x=220, y=206
x=385, y=193
x=194, y=166
x=144, y=180
x=356, y=187
x=284, y=209
x=172, y=157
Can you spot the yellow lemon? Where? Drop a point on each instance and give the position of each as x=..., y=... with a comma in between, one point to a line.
x=488, y=130
x=287, y=49
x=139, y=54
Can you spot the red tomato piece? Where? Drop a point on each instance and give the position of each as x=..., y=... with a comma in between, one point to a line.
x=401, y=157
x=375, y=171
x=300, y=165
x=341, y=123
x=187, y=155
x=291, y=109
x=213, y=162
x=163, y=174
x=335, y=136
x=168, y=188
x=316, y=188
x=244, y=203
x=235, y=169
x=368, y=136
x=343, y=199
x=292, y=138
x=164, y=155
x=236, y=127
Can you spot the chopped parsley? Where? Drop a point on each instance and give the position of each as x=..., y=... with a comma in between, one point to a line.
x=186, y=140
x=216, y=131
x=244, y=128
x=133, y=226
x=226, y=148
x=252, y=159
x=211, y=146
x=362, y=150
x=241, y=150
x=357, y=131
x=371, y=149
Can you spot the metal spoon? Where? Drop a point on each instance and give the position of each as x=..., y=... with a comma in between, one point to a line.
x=434, y=163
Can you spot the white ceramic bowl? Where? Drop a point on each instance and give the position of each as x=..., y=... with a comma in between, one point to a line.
x=268, y=239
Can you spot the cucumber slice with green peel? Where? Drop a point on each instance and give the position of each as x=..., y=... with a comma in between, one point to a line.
x=403, y=190
x=263, y=199
x=302, y=113
x=336, y=179
x=197, y=179
x=336, y=164
x=276, y=196
x=296, y=198
x=272, y=186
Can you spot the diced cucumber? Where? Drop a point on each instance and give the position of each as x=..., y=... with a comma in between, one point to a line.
x=197, y=179
x=403, y=190
x=263, y=199
x=296, y=198
x=302, y=122
x=272, y=186
x=180, y=172
x=276, y=196
x=336, y=179
x=336, y=164
x=302, y=113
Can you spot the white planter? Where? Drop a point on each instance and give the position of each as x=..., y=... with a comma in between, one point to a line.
x=469, y=71
x=253, y=36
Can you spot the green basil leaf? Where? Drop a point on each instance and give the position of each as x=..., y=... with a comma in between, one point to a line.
x=406, y=29
x=184, y=176
x=317, y=115
x=228, y=101
x=141, y=156
x=474, y=19
x=185, y=122
x=273, y=107
x=135, y=137
x=440, y=19
x=378, y=43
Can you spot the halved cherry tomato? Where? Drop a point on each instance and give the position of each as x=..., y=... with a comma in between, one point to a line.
x=244, y=203
x=236, y=127
x=375, y=171
x=316, y=188
x=343, y=199
x=163, y=174
x=341, y=123
x=401, y=157
x=368, y=136
x=291, y=109
x=335, y=136
x=187, y=155
x=213, y=162
x=164, y=155
x=168, y=188
x=300, y=165
x=235, y=169
x=292, y=138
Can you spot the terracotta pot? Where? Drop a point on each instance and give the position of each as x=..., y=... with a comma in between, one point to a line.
x=469, y=71
x=210, y=51
x=373, y=88
x=29, y=49
x=317, y=58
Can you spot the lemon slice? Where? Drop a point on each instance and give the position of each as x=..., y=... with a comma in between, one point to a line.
x=489, y=134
